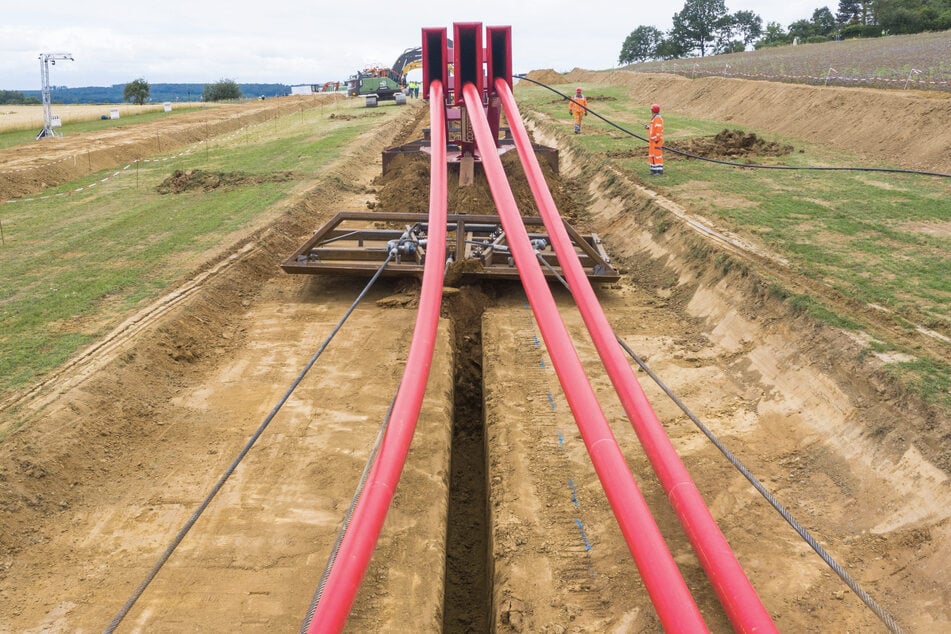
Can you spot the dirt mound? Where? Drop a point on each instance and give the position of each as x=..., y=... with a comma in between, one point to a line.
x=201, y=180
x=902, y=128
x=405, y=188
x=350, y=117
x=734, y=144
x=546, y=76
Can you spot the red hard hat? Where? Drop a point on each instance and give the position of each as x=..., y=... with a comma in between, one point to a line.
x=655, y=108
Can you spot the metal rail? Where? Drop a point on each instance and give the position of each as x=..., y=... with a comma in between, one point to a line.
x=351, y=243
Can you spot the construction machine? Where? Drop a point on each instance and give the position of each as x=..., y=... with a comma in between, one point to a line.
x=376, y=85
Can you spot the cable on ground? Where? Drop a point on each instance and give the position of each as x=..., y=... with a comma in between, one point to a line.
x=880, y=612
x=117, y=619
x=346, y=519
x=733, y=163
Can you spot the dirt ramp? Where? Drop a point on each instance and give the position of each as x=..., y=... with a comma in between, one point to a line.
x=904, y=128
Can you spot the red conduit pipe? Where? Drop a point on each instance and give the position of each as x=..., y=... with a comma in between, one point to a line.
x=667, y=589
x=739, y=599
x=359, y=541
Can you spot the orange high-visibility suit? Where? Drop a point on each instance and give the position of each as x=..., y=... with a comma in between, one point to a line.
x=578, y=109
x=655, y=148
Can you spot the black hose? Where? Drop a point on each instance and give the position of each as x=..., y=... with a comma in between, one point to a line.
x=733, y=163
x=885, y=617
x=117, y=619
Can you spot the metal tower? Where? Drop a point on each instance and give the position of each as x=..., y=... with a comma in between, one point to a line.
x=45, y=60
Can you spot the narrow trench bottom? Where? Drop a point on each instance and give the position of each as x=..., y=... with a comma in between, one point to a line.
x=467, y=602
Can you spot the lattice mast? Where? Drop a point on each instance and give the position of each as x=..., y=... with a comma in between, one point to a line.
x=47, y=59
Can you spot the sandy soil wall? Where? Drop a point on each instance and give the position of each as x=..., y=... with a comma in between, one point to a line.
x=878, y=125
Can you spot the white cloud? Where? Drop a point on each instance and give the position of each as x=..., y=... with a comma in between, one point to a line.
x=288, y=41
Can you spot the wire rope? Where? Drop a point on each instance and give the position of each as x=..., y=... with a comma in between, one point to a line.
x=880, y=612
x=137, y=593
x=346, y=519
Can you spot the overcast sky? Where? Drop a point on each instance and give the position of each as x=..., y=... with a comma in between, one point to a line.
x=298, y=42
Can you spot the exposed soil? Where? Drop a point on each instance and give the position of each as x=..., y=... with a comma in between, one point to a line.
x=108, y=459
x=874, y=124
x=733, y=144
x=201, y=180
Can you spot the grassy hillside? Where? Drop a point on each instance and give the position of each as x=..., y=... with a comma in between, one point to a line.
x=885, y=62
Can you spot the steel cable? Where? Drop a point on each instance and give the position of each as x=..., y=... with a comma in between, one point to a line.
x=733, y=163
x=880, y=612
x=346, y=520
x=117, y=619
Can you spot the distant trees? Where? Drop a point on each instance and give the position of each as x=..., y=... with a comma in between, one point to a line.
x=221, y=90
x=16, y=98
x=701, y=26
x=696, y=25
x=705, y=27
x=912, y=16
x=640, y=45
x=749, y=26
x=137, y=91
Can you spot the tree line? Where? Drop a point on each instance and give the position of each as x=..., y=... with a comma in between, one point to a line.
x=706, y=27
x=140, y=91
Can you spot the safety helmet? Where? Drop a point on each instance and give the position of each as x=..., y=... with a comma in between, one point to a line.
x=655, y=108
x=578, y=90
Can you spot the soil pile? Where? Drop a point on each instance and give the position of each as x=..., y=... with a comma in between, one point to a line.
x=201, y=180
x=405, y=188
x=734, y=144
x=546, y=76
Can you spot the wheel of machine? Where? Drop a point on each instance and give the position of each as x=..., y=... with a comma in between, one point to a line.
x=371, y=101
x=400, y=99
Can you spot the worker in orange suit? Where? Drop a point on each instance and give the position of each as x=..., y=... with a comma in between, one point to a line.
x=655, y=137
x=578, y=108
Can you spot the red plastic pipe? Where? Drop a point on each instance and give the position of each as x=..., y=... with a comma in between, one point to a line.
x=739, y=599
x=668, y=592
x=358, y=543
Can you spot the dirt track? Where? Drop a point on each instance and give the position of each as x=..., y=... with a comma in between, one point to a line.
x=122, y=447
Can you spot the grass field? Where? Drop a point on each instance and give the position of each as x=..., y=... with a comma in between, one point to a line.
x=885, y=62
x=73, y=265
x=30, y=118
x=881, y=240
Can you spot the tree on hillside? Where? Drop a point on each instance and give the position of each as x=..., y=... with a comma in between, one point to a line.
x=640, y=45
x=773, y=35
x=749, y=26
x=848, y=12
x=669, y=48
x=696, y=25
x=912, y=16
x=137, y=91
x=221, y=90
x=801, y=30
x=824, y=21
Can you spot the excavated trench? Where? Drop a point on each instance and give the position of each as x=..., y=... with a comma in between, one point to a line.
x=794, y=401
x=467, y=605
